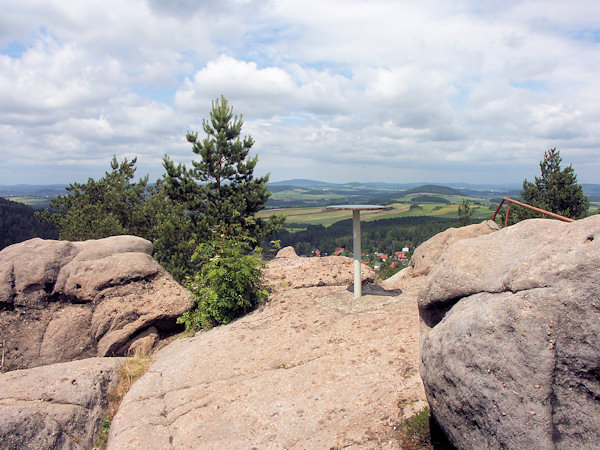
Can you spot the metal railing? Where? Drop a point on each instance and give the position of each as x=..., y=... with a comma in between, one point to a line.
x=525, y=205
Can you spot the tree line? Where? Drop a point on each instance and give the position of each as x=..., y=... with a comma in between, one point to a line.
x=18, y=223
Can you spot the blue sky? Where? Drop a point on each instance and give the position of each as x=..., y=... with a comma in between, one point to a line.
x=461, y=91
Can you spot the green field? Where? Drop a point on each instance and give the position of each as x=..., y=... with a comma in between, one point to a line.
x=322, y=216
x=34, y=202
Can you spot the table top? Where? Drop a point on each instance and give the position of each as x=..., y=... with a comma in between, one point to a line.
x=356, y=207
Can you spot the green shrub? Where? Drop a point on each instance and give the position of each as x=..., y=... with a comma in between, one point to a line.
x=228, y=284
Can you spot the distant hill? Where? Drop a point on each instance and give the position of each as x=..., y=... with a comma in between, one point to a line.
x=301, y=182
x=18, y=223
x=433, y=189
x=32, y=190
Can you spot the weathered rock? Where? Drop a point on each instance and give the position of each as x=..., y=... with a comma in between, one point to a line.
x=426, y=256
x=59, y=406
x=61, y=301
x=302, y=371
x=287, y=252
x=511, y=359
x=295, y=272
x=399, y=280
x=144, y=343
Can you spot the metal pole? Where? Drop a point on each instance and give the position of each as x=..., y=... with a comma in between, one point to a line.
x=356, y=241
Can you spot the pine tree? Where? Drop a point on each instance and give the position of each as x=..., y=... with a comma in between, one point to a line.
x=219, y=190
x=556, y=190
x=464, y=213
x=97, y=209
x=221, y=196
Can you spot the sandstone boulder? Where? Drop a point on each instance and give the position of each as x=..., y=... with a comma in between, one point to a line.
x=288, y=270
x=511, y=356
x=61, y=301
x=427, y=255
x=429, y=252
x=59, y=406
x=287, y=252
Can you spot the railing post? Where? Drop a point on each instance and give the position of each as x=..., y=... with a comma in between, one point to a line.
x=525, y=205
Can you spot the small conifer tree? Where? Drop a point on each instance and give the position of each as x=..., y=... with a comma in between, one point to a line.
x=220, y=188
x=464, y=213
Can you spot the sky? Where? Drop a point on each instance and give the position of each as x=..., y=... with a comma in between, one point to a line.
x=440, y=91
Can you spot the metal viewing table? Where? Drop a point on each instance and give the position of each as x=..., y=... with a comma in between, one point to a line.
x=356, y=209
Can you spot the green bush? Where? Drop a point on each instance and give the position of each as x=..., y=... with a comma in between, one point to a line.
x=228, y=284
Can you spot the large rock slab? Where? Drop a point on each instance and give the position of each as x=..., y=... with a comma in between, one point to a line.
x=302, y=371
x=510, y=359
x=59, y=406
x=61, y=301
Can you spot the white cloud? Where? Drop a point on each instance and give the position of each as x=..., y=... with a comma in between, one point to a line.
x=339, y=90
x=251, y=89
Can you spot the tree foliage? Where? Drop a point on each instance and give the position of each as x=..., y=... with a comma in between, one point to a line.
x=111, y=206
x=229, y=282
x=18, y=223
x=116, y=204
x=220, y=189
x=465, y=214
x=555, y=190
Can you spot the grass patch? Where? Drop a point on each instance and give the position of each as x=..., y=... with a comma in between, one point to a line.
x=421, y=431
x=414, y=433
x=132, y=369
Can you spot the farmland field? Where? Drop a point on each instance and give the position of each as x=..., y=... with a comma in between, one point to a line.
x=322, y=216
x=34, y=202
x=307, y=205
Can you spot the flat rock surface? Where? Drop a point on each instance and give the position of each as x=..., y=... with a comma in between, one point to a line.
x=312, y=368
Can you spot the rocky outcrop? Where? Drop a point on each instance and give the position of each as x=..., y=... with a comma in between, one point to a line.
x=427, y=255
x=59, y=406
x=312, y=368
x=61, y=301
x=288, y=270
x=287, y=252
x=510, y=359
